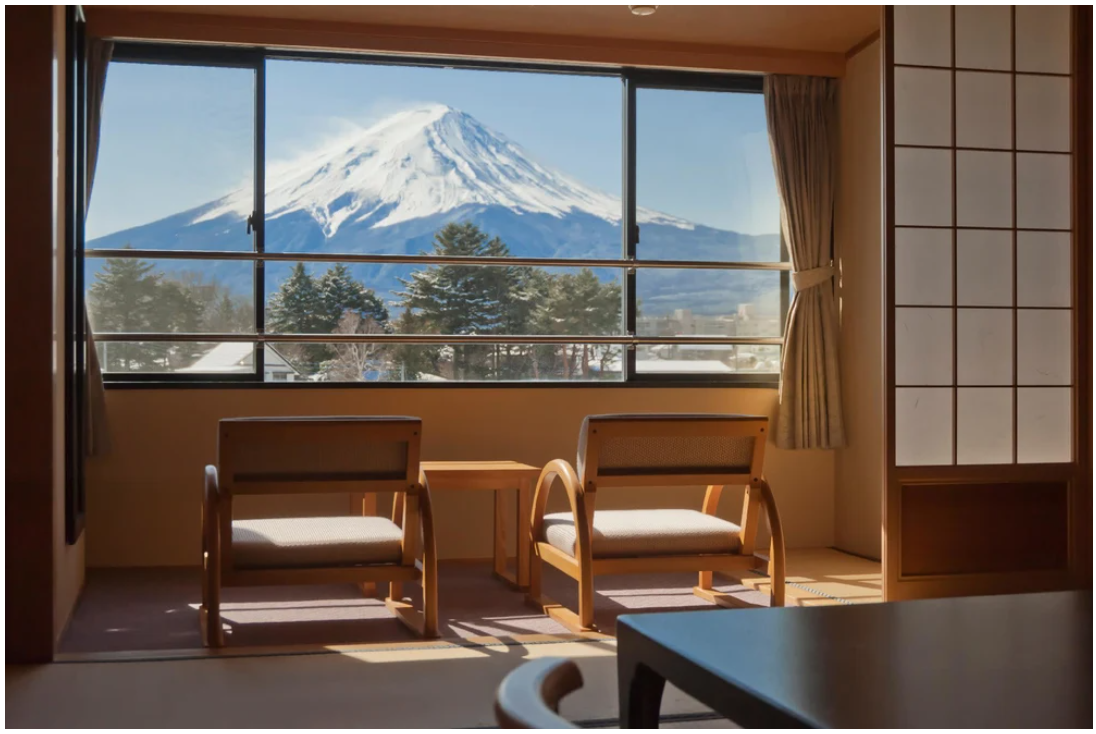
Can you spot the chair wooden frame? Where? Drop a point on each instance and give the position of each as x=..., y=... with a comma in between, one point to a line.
x=582, y=494
x=411, y=507
x=529, y=696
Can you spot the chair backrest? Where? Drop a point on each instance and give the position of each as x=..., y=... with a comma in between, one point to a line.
x=671, y=449
x=323, y=454
x=528, y=697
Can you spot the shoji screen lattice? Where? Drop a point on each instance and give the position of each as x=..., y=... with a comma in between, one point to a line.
x=982, y=289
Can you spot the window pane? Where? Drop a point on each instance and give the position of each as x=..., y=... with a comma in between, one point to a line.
x=128, y=295
x=176, y=159
x=708, y=359
x=704, y=178
x=376, y=159
x=180, y=358
x=434, y=363
x=324, y=298
x=674, y=302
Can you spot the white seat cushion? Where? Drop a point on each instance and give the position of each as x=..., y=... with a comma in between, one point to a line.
x=631, y=533
x=303, y=542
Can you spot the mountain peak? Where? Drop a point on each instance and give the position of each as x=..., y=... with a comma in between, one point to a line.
x=421, y=161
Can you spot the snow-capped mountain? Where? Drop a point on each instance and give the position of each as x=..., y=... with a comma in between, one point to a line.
x=391, y=186
x=419, y=163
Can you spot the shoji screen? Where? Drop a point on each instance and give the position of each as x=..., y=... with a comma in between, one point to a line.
x=983, y=344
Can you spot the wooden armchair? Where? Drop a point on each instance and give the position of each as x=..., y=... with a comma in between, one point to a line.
x=355, y=455
x=528, y=697
x=656, y=450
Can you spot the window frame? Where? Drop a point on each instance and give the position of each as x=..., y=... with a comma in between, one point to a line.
x=631, y=79
x=75, y=345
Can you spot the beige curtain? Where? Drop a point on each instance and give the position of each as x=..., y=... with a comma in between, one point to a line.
x=96, y=433
x=802, y=117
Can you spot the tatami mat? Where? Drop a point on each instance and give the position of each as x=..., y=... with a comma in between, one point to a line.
x=824, y=576
x=157, y=609
x=276, y=675
x=381, y=686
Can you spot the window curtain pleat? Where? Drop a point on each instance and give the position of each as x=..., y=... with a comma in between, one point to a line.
x=802, y=121
x=96, y=431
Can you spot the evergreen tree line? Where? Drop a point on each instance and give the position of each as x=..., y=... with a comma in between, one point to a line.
x=503, y=300
x=436, y=299
x=128, y=295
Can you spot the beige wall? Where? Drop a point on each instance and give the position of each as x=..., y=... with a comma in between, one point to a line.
x=858, y=249
x=143, y=500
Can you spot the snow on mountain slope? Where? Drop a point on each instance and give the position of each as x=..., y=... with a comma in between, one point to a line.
x=418, y=163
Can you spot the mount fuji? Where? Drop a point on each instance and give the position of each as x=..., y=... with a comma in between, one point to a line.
x=388, y=188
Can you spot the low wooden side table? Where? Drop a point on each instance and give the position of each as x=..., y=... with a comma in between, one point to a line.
x=499, y=477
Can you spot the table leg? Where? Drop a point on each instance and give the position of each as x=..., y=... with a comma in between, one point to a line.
x=525, y=542
x=500, y=533
x=366, y=505
x=639, y=694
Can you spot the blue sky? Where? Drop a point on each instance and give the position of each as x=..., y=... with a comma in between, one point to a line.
x=177, y=137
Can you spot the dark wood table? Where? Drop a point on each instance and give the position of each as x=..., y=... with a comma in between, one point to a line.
x=991, y=661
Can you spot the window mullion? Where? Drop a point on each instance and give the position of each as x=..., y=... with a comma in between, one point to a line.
x=259, y=216
x=628, y=227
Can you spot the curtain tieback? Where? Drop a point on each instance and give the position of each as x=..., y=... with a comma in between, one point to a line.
x=805, y=279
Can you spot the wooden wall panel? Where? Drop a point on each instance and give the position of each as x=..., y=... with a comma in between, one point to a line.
x=984, y=528
x=28, y=231
x=122, y=23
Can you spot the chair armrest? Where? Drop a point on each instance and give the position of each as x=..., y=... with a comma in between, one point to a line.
x=212, y=485
x=576, y=496
x=528, y=698
x=211, y=544
x=426, y=510
x=777, y=557
x=429, y=558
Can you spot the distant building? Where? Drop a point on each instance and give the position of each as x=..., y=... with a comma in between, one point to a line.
x=239, y=358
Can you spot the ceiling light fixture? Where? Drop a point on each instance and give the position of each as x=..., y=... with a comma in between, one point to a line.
x=643, y=9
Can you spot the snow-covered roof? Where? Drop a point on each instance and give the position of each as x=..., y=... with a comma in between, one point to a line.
x=708, y=366
x=238, y=357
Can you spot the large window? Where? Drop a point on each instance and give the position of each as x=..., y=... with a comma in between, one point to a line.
x=262, y=217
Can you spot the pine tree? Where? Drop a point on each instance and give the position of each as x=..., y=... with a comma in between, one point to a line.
x=128, y=296
x=175, y=310
x=461, y=299
x=222, y=310
x=409, y=361
x=297, y=309
x=340, y=292
x=119, y=302
x=229, y=315
x=578, y=304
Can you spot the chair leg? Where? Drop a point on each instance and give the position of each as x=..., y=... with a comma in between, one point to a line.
x=429, y=605
x=586, y=600
x=535, y=566
x=210, y=614
x=705, y=590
